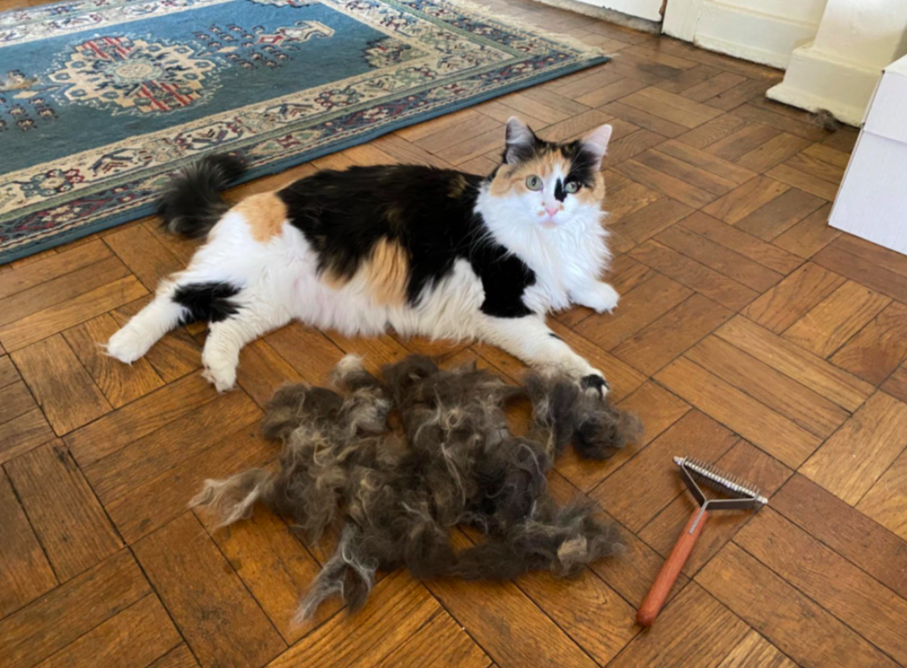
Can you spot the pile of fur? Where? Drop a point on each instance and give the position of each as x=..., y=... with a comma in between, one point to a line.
x=396, y=497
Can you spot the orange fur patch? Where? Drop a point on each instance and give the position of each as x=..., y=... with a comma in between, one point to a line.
x=265, y=214
x=595, y=194
x=387, y=272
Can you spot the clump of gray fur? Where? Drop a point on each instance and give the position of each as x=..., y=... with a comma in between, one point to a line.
x=826, y=120
x=397, y=497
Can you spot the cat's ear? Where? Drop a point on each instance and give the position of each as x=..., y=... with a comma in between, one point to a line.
x=596, y=143
x=520, y=141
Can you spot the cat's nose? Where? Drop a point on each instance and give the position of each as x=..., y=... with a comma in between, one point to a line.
x=552, y=209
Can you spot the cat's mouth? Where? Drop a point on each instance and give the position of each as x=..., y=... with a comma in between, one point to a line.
x=549, y=220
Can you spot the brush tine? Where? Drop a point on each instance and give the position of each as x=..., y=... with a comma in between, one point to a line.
x=720, y=481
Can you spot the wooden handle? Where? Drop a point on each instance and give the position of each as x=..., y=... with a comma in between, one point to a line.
x=658, y=593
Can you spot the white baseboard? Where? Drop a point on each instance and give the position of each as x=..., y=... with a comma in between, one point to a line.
x=815, y=80
x=743, y=33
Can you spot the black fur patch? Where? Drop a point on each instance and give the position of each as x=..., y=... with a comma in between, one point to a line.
x=559, y=193
x=191, y=204
x=504, y=279
x=583, y=165
x=209, y=302
x=344, y=214
x=594, y=381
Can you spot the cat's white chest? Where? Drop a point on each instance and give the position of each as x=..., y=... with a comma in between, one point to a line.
x=564, y=264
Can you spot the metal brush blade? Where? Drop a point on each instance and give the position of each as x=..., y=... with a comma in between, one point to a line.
x=708, y=474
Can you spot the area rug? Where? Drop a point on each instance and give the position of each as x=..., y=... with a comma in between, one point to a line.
x=101, y=99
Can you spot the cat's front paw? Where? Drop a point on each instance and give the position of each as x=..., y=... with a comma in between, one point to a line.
x=595, y=384
x=601, y=299
x=127, y=345
x=220, y=373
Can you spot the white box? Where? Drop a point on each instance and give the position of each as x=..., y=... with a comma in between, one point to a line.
x=872, y=199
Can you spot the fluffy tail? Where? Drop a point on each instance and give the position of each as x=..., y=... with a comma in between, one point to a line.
x=191, y=205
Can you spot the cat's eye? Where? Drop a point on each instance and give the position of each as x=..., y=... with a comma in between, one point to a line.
x=572, y=187
x=534, y=183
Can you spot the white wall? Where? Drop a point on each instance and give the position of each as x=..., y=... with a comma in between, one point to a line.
x=643, y=9
x=807, y=11
x=871, y=32
x=763, y=31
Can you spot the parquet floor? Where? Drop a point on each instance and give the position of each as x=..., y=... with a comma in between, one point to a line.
x=749, y=334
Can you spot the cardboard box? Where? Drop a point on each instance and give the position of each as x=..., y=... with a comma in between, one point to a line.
x=872, y=199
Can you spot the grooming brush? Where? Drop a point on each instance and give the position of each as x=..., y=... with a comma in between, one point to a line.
x=743, y=497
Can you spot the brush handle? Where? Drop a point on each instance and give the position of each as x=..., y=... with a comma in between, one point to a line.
x=658, y=593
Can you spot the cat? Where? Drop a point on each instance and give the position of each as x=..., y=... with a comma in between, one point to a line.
x=426, y=251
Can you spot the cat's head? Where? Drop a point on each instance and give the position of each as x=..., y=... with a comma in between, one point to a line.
x=546, y=183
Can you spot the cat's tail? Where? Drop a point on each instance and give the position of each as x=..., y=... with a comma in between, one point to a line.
x=191, y=205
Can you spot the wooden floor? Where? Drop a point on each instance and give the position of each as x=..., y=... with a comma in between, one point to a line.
x=749, y=334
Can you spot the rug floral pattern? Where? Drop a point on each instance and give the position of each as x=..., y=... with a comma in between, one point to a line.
x=134, y=75
x=134, y=89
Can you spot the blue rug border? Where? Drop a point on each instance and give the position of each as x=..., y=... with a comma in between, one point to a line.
x=282, y=165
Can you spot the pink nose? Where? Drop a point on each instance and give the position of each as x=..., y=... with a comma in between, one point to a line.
x=552, y=209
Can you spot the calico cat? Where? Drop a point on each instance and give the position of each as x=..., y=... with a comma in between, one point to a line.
x=425, y=251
